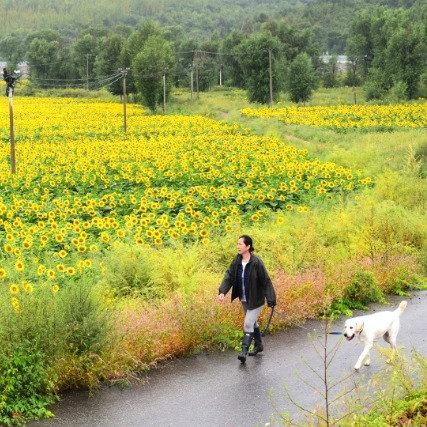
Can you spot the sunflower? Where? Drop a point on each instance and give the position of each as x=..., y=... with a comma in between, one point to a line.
x=19, y=265
x=105, y=237
x=62, y=253
x=55, y=289
x=14, y=289
x=28, y=287
x=71, y=271
x=2, y=273
x=26, y=244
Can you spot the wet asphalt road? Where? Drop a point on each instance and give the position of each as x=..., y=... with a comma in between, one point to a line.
x=216, y=390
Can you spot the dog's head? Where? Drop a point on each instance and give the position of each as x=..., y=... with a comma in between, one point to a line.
x=352, y=327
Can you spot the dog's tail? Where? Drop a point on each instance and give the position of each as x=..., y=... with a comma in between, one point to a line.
x=402, y=306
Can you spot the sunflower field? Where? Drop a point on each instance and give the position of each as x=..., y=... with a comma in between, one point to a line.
x=344, y=117
x=82, y=184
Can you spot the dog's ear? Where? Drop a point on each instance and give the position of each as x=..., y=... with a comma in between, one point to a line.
x=359, y=326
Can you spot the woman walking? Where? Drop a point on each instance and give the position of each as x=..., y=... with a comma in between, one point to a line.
x=249, y=280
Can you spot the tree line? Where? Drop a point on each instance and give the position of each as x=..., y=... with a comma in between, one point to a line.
x=386, y=50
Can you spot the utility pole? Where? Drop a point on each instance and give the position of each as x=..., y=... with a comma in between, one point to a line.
x=271, y=77
x=164, y=89
x=87, y=70
x=221, y=68
x=10, y=80
x=197, y=72
x=191, y=67
x=124, y=72
x=12, y=134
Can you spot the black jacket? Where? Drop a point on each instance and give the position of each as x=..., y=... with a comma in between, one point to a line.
x=260, y=286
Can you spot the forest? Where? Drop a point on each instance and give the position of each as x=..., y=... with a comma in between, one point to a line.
x=266, y=48
x=329, y=20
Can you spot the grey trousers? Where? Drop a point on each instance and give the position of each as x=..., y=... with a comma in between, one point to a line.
x=251, y=317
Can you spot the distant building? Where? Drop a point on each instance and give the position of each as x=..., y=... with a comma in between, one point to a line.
x=22, y=67
x=342, y=61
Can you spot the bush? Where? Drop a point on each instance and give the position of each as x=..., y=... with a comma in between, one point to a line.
x=25, y=390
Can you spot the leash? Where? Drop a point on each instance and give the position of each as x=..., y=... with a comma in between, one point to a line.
x=268, y=323
x=273, y=310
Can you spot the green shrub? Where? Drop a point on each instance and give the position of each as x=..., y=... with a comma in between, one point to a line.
x=25, y=390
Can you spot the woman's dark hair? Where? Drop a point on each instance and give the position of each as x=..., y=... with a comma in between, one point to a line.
x=248, y=242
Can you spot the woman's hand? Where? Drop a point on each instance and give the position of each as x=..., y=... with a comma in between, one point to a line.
x=221, y=297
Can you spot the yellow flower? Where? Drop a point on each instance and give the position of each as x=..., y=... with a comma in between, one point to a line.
x=62, y=253
x=55, y=289
x=105, y=237
x=2, y=273
x=71, y=271
x=19, y=265
x=27, y=286
x=14, y=289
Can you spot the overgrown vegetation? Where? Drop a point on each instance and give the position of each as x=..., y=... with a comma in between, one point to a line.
x=118, y=306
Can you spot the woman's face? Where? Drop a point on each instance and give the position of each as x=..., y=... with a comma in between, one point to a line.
x=242, y=248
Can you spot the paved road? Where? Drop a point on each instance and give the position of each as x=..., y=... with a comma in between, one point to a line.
x=215, y=390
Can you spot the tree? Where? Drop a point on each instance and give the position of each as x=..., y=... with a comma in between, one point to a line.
x=329, y=72
x=254, y=61
x=232, y=69
x=42, y=56
x=392, y=44
x=302, y=79
x=12, y=50
x=108, y=61
x=85, y=50
x=405, y=52
x=155, y=60
x=207, y=64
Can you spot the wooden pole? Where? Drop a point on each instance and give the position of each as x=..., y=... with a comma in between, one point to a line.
x=164, y=91
x=124, y=102
x=191, y=75
x=12, y=133
x=87, y=71
x=271, y=77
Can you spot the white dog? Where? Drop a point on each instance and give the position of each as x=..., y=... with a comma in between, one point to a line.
x=371, y=328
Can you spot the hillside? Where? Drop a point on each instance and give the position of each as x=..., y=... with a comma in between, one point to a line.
x=193, y=15
x=329, y=20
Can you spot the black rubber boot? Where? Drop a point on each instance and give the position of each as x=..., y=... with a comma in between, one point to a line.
x=247, y=340
x=258, y=347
